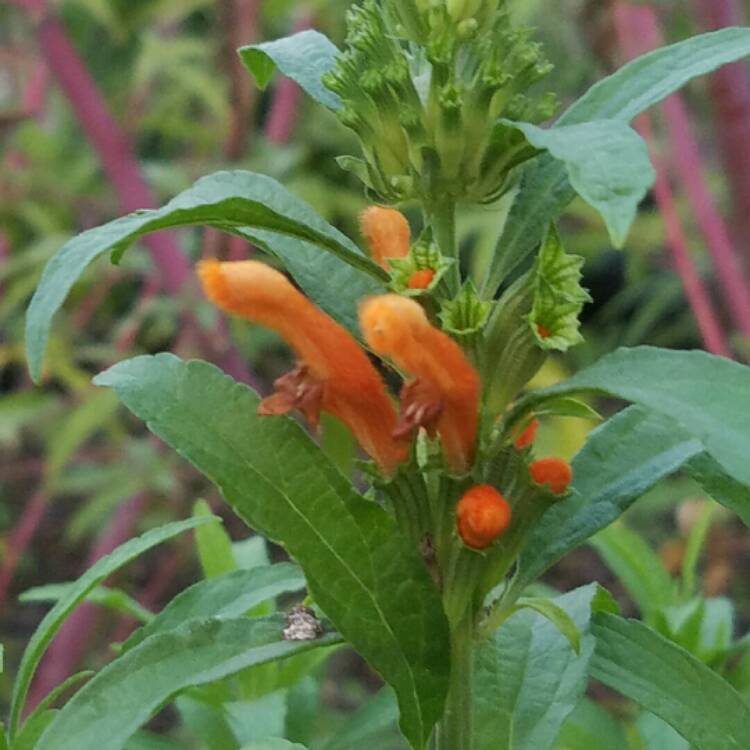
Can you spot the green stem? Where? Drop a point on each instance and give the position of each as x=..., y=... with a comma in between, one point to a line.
x=442, y=217
x=454, y=731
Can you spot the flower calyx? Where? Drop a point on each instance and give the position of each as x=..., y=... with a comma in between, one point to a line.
x=421, y=270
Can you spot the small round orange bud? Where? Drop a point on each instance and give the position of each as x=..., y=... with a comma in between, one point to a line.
x=555, y=473
x=527, y=437
x=387, y=233
x=421, y=279
x=483, y=515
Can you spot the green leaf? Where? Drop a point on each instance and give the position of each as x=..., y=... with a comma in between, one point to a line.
x=622, y=459
x=229, y=201
x=607, y=164
x=335, y=286
x=51, y=697
x=273, y=743
x=637, y=567
x=545, y=189
x=558, y=295
x=33, y=729
x=51, y=623
x=114, y=599
x=229, y=595
x=590, y=727
x=658, y=735
x=569, y=407
x=368, y=723
x=528, y=678
x=544, y=607
x=722, y=488
x=650, y=79
x=304, y=57
x=671, y=683
x=706, y=395
x=3, y=738
x=214, y=546
x=123, y=695
x=359, y=567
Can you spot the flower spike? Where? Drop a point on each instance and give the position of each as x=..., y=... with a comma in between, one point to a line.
x=482, y=516
x=334, y=374
x=444, y=396
x=387, y=233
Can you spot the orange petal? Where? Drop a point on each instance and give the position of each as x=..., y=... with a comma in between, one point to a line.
x=482, y=516
x=397, y=327
x=352, y=390
x=387, y=233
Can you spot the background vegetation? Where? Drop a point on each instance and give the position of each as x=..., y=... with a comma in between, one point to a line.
x=167, y=101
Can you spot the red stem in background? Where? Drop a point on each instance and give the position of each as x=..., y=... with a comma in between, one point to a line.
x=111, y=144
x=730, y=94
x=697, y=295
x=282, y=119
x=19, y=540
x=72, y=640
x=639, y=33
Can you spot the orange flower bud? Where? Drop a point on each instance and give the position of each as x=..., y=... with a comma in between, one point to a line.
x=335, y=375
x=387, y=233
x=445, y=393
x=421, y=279
x=527, y=437
x=483, y=515
x=543, y=331
x=555, y=473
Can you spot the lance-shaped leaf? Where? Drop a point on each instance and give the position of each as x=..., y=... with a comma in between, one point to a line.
x=229, y=595
x=545, y=189
x=528, y=678
x=558, y=295
x=54, y=619
x=123, y=695
x=622, y=459
x=229, y=201
x=359, y=568
x=607, y=164
x=304, y=57
x=708, y=396
x=671, y=683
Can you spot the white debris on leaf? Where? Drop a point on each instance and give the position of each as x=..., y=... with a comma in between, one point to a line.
x=302, y=625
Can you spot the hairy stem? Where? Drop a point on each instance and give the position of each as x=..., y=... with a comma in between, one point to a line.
x=442, y=217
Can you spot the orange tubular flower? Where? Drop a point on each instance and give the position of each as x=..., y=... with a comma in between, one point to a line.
x=555, y=473
x=527, y=437
x=387, y=233
x=444, y=396
x=334, y=374
x=482, y=516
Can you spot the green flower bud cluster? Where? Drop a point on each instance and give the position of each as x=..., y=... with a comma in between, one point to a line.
x=424, y=85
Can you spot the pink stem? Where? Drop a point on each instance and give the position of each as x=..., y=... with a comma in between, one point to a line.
x=730, y=93
x=19, y=540
x=282, y=119
x=72, y=641
x=697, y=295
x=111, y=143
x=645, y=35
